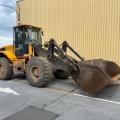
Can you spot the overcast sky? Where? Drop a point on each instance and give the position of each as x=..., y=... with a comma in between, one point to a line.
x=7, y=21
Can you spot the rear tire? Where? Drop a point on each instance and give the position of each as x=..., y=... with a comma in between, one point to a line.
x=6, y=70
x=39, y=71
x=59, y=74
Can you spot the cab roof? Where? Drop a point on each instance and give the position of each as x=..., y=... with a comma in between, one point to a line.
x=29, y=26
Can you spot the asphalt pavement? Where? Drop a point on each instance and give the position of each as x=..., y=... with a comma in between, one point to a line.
x=62, y=98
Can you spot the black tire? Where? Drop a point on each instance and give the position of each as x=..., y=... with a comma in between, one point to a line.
x=59, y=74
x=39, y=72
x=6, y=70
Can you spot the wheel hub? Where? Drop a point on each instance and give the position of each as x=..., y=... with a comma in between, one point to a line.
x=1, y=69
x=35, y=73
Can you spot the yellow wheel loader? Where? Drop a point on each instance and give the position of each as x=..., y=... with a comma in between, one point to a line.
x=43, y=62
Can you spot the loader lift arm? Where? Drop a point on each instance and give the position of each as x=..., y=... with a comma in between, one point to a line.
x=55, y=48
x=66, y=45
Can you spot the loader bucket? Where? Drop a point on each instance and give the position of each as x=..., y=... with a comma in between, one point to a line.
x=94, y=75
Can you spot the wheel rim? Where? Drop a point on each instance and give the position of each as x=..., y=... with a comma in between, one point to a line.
x=1, y=69
x=35, y=73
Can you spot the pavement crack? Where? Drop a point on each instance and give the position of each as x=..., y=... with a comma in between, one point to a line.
x=65, y=94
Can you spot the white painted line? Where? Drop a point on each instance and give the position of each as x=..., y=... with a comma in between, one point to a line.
x=8, y=91
x=104, y=100
x=99, y=99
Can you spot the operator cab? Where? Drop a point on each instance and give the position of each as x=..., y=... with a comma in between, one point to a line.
x=24, y=36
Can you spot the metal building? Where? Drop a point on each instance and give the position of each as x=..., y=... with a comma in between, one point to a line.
x=92, y=27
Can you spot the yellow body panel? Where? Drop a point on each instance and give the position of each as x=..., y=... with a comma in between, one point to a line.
x=9, y=52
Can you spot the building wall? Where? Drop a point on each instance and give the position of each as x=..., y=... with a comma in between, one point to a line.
x=92, y=27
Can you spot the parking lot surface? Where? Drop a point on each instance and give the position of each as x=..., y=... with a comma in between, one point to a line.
x=61, y=97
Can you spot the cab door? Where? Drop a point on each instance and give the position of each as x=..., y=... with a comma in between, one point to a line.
x=21, y=37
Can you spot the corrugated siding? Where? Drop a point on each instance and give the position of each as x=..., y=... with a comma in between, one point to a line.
x=90, y=26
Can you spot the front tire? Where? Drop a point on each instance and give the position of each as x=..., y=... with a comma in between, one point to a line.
x=39, y=71
x=6, y=70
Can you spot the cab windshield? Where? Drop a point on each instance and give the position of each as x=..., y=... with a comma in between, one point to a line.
x=26, y=35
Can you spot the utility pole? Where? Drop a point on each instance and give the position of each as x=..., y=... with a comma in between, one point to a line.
x=16, y=10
